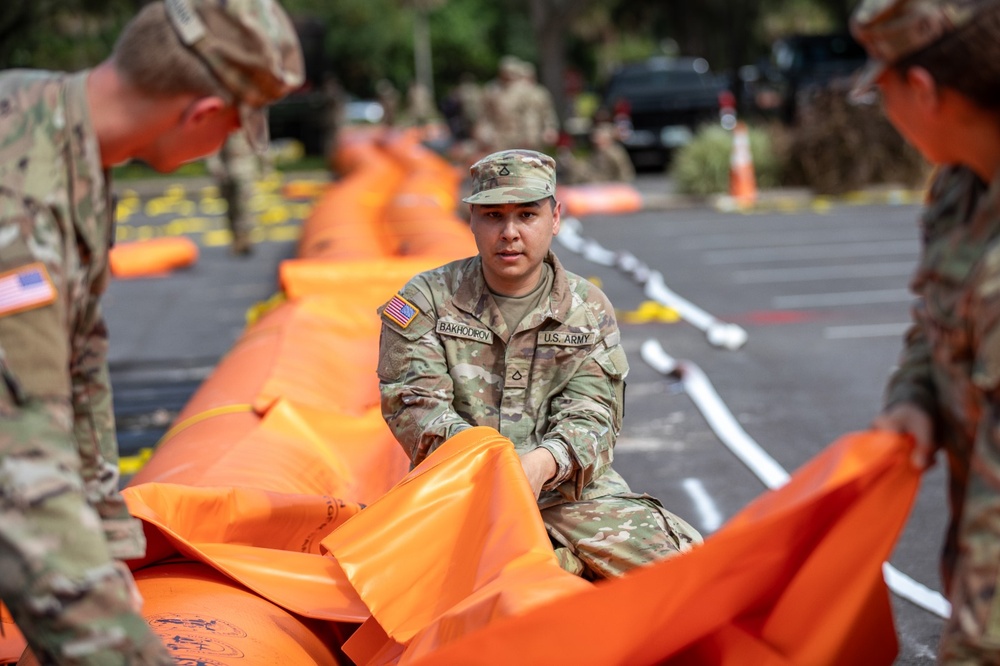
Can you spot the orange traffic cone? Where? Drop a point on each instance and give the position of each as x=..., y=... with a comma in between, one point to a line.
x=742, y=182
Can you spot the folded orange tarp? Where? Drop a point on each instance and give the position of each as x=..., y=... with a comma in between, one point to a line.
x=456, y=569
x=459, y=542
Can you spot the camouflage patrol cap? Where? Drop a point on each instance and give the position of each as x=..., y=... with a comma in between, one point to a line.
x=510, y=65
x=512, y=176
x=250, y=46
x=890, y=30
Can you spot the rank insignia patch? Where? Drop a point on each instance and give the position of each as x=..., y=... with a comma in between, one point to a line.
x=25, y=288
x=400, y=311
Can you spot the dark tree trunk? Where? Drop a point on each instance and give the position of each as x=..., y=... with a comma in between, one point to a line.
x=550, y=20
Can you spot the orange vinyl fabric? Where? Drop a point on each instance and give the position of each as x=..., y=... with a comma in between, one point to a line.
x=12, y=643
x=455, y=546
x=794, y=578
x=346, y=221
x=156, y=256
x=597, y=198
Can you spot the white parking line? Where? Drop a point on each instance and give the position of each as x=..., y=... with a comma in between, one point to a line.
x=756, y=237
x=704, y=505
x=873, y=297
x=773, y=475
x=841, y=271
x=824, y=251
x=869, y=331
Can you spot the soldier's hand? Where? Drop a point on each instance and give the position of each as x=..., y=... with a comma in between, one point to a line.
x=908, y=419
x=539, y=466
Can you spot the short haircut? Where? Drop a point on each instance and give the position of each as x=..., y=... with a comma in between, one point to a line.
x=967, y=60
x=151, y=57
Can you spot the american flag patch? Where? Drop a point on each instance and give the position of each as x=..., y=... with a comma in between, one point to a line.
x=25, y=288
x=400, y=311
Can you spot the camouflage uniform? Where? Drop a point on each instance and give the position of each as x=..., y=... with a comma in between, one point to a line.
x=62, y=519
x=610, y=163
x=507, y=103
x=950, y=366
x=449, y=361
x=538, y=117
x=516, y=113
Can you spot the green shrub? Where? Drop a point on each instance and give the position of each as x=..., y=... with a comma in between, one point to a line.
x=836, y=146
x=702, y=166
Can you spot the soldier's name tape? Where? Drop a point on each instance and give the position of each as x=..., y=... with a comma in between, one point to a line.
x=544, y=338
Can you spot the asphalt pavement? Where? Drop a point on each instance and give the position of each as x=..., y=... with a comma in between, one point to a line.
x=819, y=286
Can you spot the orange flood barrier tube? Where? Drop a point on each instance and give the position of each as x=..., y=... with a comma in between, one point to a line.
x=253, y=502
x=597, y=198
x=156, y=256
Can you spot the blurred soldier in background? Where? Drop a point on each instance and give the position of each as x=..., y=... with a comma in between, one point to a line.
x=419, y=105
x=470, y=99
x=517, y=112
x=388, y=97
x=236, y=169
x=336, y=108
x=504, y=98
x=541, y=122
x=607, y=162
x=182, y=76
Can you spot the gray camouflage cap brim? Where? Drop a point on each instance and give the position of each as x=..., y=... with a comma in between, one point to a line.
x=890, y=30
x=512, y=176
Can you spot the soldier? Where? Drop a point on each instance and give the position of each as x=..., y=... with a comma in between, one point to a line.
x=182, y=76
x=511, y=340
x=608, y=161
x=936, y=65
x=388, y=96
x=470, y=101
x=236, y=168
x=539, y=118
x=503, y=99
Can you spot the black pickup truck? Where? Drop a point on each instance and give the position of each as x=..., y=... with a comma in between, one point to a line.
x=659, y=103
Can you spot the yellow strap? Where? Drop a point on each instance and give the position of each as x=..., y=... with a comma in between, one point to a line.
x=198, y=418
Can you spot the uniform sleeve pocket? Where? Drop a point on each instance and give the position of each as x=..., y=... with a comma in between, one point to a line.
x=614, y=362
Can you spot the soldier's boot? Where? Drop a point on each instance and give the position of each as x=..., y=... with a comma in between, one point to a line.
x=242, y=245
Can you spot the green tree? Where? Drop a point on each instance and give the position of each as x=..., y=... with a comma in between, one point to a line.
x=60, y=34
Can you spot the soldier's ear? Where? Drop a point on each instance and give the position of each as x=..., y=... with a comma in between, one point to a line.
x=556, y=216
x=204, y=109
